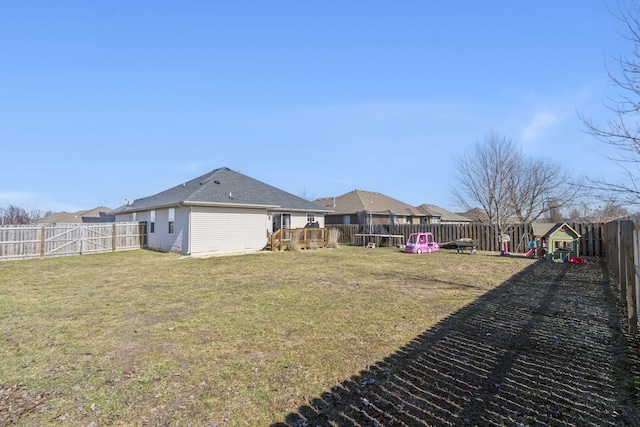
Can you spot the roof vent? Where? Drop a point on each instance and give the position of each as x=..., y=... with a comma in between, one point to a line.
x=216, y=181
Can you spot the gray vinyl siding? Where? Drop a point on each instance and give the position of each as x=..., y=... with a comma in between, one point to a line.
x=161, y=240
x=228, y=229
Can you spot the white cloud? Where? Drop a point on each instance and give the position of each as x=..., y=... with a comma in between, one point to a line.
x=541, y=122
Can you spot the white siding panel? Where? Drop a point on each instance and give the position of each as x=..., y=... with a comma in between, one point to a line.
x=228, y=230
x=298, y=220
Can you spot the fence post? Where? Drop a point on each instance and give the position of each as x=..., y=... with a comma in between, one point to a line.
x=113, y=238
x=628, y=276
x=633, y=307
x=622, y=273
x=42, y=241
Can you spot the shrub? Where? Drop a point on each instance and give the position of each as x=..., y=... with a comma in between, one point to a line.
x=294, y=241
x=332, y=238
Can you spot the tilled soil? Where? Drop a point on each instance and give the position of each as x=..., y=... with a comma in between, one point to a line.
x=548, y=347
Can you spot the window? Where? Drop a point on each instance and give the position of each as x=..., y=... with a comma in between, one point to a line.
x=152, y=222
x=172, y=220
x=281, y=221
x=346, y=220
x=133, y=216
x=311, y=217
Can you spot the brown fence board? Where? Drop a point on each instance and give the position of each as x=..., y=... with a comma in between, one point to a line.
x=620, y=244
x=484, y=234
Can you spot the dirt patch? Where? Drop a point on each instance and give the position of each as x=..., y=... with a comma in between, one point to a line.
x=548, y=347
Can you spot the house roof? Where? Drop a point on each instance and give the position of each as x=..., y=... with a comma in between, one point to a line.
x=360, y=200
x=99, y=214
x=445, y=215
x=546, y=229
x=223, y=187
x=475, y=214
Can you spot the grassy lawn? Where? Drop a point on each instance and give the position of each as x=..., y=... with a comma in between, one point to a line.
x=139, y=337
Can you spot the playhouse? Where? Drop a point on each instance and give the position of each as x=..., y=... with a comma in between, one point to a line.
x=556, y=242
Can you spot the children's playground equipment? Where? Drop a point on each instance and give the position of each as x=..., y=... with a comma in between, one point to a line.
x=555, y=242
x=532, y=245
x=505, y=239
x=421, y=242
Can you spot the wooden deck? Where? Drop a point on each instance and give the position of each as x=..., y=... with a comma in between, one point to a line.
x=302, y=238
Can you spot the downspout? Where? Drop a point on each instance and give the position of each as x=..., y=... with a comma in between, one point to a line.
x=189, y=233
x=189, y=225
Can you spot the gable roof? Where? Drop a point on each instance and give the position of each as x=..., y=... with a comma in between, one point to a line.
x=223, y=187
x=445, y=215
x=360, y=200
x=99, y=214
x=475, y=214
x=546, y=229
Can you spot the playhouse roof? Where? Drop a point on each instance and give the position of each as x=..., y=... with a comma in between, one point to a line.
x=546, y=229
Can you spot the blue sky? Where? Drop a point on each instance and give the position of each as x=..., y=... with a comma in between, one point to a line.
x=106, y=100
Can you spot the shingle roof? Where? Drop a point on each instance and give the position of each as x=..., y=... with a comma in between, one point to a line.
x=98, y=214
x=360, y=200
x=475, y=214
x=223, y=187
x=545, y=229
x=445, y=215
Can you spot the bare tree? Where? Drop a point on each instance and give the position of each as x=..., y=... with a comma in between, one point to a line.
x=483, y=179
x=554, y=213
x=540, y=187
x=608, y=212
x=16, y=215
x=511, y=188
x=622, y=131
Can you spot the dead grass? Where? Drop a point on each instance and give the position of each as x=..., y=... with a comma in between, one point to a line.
x=333, y=238
x=140, y=337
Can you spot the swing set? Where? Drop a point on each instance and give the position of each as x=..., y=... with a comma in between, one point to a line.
x=532, y=244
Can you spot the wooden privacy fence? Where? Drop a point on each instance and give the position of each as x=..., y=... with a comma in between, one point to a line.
x=44, y=240
x=623, y=245
x=591, y=242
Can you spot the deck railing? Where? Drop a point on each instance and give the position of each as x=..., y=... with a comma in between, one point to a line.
x=300, y=238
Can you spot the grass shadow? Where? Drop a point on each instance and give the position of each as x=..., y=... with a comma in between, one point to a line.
x=547, y=347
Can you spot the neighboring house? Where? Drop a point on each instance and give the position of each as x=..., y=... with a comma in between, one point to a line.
x=368, y=208
x=222, y=211
x=436, y=215
x=475, y=215
x=96, y=215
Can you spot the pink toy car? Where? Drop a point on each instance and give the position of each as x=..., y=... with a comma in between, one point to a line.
x=421, y=242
